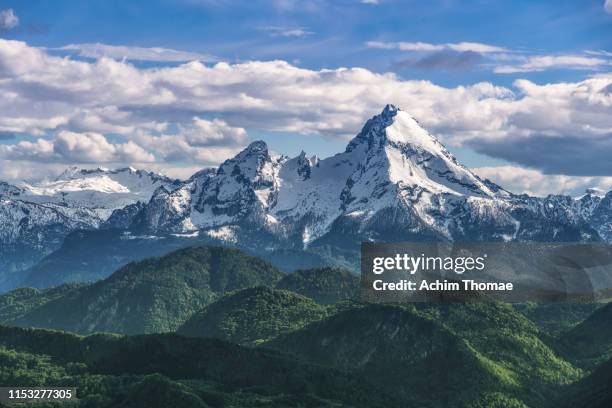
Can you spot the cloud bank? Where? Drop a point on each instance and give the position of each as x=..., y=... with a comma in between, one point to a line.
x=109, y=110
x=520, y=180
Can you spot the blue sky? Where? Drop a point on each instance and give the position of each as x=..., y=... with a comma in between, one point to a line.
x=335, y=32
x=449, y=44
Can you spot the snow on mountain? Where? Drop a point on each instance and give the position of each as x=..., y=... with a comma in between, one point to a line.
x=394, y=181
x=36, y=216
x=78, y=197
x=100, y=189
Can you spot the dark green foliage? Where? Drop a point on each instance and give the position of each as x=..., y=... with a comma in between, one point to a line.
x=590, y=342
x=18, y=302
x=252, y=316
x=557, y=317
x=511, y=343
x=324, y=285
x=594, y=391
x=154, y=370
x=496, y=400
x=154, y=295
x=458, y=351
x=328, y=352
x=395, y=347
x=158, y=391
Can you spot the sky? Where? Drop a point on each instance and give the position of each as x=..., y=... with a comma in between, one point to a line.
x=520, y=91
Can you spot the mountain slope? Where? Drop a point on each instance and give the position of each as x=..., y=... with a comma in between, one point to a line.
x=462, y=353
x=101, y=189
x=36, y=217
x=594, y=391
x=590, y=342
x=169, y=370
x=87, y=256
x=19, y=302
x=323, y=285
x=252, y=316
x=556, y=318
x=394, y=182
x=154, y=295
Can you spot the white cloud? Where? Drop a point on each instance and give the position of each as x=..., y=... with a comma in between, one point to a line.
x=608, y=6
x=541, y=63
x=8, y=19
x=513, y=61
x=601, y=53
x=98, y=50
x=288, y=31
x=559, y=128
x=201, y=141
x=70, y=147
x=204, y=133
x=370, y=1
x=520, y=180
x=423, y=46
x=95, y=148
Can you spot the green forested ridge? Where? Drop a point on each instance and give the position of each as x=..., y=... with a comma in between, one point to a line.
x=154, y=295
x=594, y=391
x=464, y=354
x=509, y=341
x=323, y=285
x=254, y=315
x=590, y=342
x=111, y=371
x=458, y=351
x=18, y=302
x=555, y=318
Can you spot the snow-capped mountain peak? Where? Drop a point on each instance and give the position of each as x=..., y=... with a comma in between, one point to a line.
x=394, y=142
x=394, y=182
x=102, y=190
x=392, y=166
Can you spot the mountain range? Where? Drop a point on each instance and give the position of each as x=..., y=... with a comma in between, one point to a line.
x=288, y=349
x=394, y=182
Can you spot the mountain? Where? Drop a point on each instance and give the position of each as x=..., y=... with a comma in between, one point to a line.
x=591, y=392
x=166, y=370
x=252, y=316
x=18, y=302
x=556, y=318
x=90, y=255
x=590, y=342
x=36, y=217
x=324, y=285
x=394, y=182
x=101, y=189
x=463, y=353
x=154, y=295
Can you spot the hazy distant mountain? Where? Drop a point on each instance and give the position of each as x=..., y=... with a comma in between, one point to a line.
x=35, y=217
